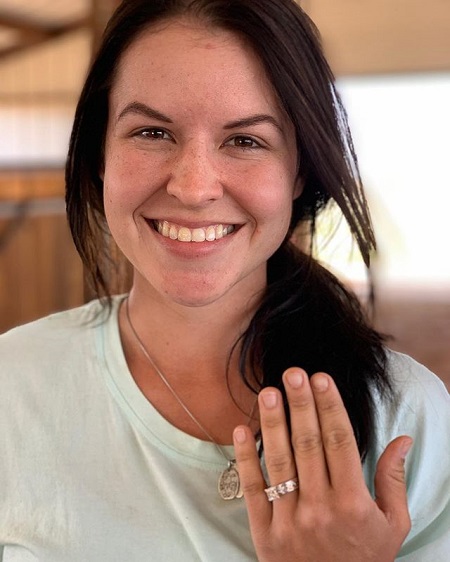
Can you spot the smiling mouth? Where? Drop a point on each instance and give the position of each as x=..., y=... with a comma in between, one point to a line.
x=184, y=234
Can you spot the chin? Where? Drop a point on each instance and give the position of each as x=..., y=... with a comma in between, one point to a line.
x=196, y=299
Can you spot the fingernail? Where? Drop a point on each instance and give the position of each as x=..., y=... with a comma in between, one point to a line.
x=320, y=382
x=239, y=435
x=295, y=379
x=405, y=448
x=269, y=399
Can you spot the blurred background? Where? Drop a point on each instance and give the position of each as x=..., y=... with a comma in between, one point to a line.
x=392, y=62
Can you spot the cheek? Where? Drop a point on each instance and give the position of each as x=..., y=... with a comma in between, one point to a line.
x=124, y=182
x=269, y=198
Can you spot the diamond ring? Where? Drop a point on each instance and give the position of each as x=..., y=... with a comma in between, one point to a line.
x=275, y=492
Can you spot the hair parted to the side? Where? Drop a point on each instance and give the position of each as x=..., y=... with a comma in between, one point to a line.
x=288, y=44
x=307, y=318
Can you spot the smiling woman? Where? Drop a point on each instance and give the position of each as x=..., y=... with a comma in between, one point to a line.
x=197, y=158
x=237, y=368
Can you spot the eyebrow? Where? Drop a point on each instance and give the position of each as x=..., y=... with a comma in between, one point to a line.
x=143, y=109
x=253, y=120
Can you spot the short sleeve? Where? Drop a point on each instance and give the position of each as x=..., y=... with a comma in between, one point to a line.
x=422, y=410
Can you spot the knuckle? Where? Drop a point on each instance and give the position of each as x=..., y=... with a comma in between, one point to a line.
x=299, y=403
x=338, y=438
x=281, y=463
x=331, y=407
x=251, y=489
x=309, y=442
x=272, y=422
x=246, y=456
x=400, y=520
x=405, y=524
x=395, y=475
x=354, y=509
x=398, y=474
x=314, y=518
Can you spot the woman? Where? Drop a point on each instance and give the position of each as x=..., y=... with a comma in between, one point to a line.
x=206, y=132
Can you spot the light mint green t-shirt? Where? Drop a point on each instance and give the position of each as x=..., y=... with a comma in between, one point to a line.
x=91, y=472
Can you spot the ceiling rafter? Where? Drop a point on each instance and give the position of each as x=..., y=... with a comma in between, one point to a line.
x=24, y=24
x=32, y=33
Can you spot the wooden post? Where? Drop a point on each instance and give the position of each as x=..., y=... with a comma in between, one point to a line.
x=101, y=11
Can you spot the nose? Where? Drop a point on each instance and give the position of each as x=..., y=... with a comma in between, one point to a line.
x=194, y=179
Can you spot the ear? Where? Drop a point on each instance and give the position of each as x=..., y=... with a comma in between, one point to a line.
x=298, y=187
x=101, y=172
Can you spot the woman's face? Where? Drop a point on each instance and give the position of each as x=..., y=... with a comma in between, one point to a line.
x=200, y=164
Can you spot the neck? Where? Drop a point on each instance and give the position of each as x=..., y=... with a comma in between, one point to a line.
x=191, y=347
x=185, y=335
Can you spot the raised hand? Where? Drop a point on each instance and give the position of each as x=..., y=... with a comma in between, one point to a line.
x=331, y=517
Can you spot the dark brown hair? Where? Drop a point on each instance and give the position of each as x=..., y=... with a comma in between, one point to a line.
x=307, y=317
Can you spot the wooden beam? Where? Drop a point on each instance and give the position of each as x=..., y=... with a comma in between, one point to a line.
x=36, y=34
x=55, y=98
x=101, y=11
x=24, y=24
x=383, y=36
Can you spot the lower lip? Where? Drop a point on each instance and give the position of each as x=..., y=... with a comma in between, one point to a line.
x=191, y=249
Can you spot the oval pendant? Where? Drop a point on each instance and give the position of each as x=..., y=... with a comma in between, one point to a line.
x=229, y=484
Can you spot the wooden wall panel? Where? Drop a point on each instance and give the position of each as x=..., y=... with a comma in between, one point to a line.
x=419, y=325
x=40, y=271
x=23, y=185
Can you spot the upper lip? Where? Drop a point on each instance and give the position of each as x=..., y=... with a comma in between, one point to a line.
x=191, y=224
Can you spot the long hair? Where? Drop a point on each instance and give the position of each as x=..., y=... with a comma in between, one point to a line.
x=307, y=317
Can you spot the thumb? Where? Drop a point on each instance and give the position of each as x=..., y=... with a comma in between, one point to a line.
x=390, y=486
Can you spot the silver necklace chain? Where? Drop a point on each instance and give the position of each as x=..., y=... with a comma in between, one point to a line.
x=231, y=462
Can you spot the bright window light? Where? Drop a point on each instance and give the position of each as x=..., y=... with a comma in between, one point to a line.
x=401, y=130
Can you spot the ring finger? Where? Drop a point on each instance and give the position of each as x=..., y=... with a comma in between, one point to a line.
x=278, y=454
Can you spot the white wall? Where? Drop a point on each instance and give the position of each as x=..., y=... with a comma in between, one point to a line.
x=401, y=129
x=34, y=136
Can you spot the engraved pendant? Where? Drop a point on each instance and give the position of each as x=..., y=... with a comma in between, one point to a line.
x=229, y=485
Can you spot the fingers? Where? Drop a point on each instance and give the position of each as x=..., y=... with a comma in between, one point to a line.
x=325, y=449
x=390, y=486
x=277, y=443
x=306, y=436
x=251, y=478
x=332, y=507
x=338, y=439
x=321, y=450
x=279, y=461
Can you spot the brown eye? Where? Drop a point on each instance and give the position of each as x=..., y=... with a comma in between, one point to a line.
x=241, y=141
x=245, y=142
x=154, y=134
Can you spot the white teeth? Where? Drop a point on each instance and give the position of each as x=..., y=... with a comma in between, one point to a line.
x=173, y=232
x=210, y=233
x=219, y=231
x=198, y=235
x=185, y=234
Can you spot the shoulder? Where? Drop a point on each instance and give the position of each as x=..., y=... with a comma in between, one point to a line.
x=421, y=409
x=420, y=397
x=408, y=374
x=50, y=340
x=54, y=325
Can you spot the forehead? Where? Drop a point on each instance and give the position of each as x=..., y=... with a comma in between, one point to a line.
x=185, y=57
